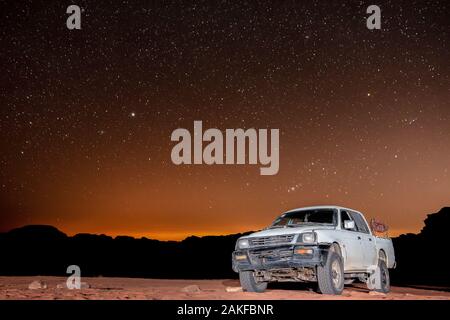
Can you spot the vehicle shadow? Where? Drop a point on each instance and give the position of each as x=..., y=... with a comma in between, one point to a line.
x=298, y=286
x=312, y=287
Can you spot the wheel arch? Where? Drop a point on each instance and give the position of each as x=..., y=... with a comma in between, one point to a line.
x=340, y=249
x=383, y=256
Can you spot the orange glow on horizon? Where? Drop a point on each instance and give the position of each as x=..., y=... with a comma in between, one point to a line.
x=181, y=235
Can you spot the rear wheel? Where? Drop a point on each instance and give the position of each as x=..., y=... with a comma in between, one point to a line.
x=380, y=280
x=330, y=277
x=249, y=284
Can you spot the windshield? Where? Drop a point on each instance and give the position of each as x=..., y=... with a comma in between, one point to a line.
x=306, y=217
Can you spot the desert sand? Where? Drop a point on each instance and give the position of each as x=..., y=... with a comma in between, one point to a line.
x=53, y=288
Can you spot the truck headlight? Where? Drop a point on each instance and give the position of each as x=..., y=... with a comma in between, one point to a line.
x=243, y=243
x=307, y=237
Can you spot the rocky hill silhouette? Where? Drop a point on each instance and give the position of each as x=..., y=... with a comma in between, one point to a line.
x=44, y=250
x=422, y=258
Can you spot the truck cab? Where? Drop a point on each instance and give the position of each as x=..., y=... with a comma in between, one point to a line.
x=330, y=245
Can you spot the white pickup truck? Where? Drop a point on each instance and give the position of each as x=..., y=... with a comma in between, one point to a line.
x=329, y=245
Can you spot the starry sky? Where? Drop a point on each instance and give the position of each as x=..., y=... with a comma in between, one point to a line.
x=86, y=115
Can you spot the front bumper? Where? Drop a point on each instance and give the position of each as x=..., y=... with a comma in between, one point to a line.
x=278, y=257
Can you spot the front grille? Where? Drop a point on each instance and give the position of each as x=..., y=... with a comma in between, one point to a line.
x=276, y=255
x=264, y=241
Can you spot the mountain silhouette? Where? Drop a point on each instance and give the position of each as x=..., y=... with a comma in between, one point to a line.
x=44, y=250
x=436, y=225
x=421, y=258
x=36, y=232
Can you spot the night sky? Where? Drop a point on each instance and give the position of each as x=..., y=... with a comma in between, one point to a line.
x=86, y=115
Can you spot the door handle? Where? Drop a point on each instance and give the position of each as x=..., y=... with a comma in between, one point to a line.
x=359, y=238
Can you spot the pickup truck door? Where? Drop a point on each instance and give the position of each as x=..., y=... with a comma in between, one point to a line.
x=352, y=241
x=367, y=241
x=369, y=250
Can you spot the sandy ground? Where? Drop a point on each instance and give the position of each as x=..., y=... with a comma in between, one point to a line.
x=156, y=289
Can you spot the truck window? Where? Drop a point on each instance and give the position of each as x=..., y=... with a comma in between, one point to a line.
x=344, y=217
x=318, y=216
x=361, y=225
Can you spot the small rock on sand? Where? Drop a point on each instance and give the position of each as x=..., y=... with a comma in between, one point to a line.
x=38, y=284
x=191, y=288
x=376, y=293
x=233, y=289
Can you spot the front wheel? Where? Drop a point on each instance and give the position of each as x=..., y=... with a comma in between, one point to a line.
x=330, y=277
x=249, y=284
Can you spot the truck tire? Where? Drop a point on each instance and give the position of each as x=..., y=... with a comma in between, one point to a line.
x=384, y=281
x=330, y=277
x=249, y=284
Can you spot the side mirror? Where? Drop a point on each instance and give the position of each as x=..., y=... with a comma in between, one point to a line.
x=349, y=224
